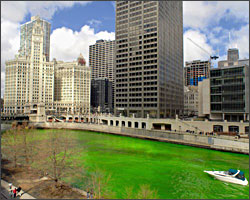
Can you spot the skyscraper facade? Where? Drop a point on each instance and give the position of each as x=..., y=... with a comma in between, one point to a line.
x=229, y=86
x=72, y=87
x=29, y=79
x=101, y=95
x=26, y=37
x=101, y=59
x=101, y=62
x=149, y=58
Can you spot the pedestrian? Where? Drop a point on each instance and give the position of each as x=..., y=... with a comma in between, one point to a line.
x=91, y=195
x=14, y=192
x=10, y=185
x=19, y=190
x=10, y=188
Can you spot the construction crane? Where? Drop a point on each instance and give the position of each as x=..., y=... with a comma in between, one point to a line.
x=211, y=57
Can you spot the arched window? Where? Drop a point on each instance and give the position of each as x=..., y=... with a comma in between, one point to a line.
x=218, y=128
x=246, y=129
x=234, y=129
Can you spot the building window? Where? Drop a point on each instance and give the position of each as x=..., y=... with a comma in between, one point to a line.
x=234, y=129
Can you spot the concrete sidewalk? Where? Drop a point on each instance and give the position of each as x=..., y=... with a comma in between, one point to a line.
x=5, y=185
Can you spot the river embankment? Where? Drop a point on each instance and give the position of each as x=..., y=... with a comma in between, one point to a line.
x=220, y=143
x=33, y=182
x=5, y=126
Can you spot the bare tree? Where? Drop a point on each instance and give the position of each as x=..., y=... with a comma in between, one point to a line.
x=56, y=155
x=98, y=185
x=29, y=144
x=11, y=144
x=129, y=193
x=144, y=192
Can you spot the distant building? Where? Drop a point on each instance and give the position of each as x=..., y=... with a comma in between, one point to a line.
x=102, y=62
x=229, y=86
x=2, y=104
x=204, y=98
x=101, y=95
x=196, y=71
x=72, y=87
x=101, y=59
x=190, y=101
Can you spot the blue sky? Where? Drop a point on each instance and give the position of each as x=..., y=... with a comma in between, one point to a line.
x=76, y=25
x=102, y=12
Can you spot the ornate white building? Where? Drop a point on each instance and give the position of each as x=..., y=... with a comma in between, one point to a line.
x=72, y=87
x=30, y=78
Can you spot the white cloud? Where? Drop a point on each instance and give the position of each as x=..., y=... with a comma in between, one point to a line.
x=240, y=40
x=13, y=13
x=10, y=42
x=199, y=14
x=94, y=22
x=66, y=44
x=191, y=51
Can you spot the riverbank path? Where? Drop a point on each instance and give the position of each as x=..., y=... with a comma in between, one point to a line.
x=5, y=191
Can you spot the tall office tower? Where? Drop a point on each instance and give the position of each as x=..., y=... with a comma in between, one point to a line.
x=72, y=87
x=101, y=61
x=29, y=79
x=149, y=58
x=232, y=55
x=26, y=37
x=195, y=71
x=232, y=58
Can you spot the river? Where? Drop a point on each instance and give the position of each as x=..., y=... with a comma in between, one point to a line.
x=176, y=171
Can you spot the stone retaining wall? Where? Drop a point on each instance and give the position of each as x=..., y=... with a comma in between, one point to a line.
x=210, y=142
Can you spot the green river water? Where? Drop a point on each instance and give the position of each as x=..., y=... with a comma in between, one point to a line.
x=175, y=171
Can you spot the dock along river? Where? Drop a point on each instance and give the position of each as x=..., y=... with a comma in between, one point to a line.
x=175, y=171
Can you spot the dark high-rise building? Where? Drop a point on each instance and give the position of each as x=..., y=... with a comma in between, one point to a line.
x=149, y=58
x=101, y=95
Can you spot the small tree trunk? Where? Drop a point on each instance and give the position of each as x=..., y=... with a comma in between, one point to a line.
x=25, y=149
x=15, y=159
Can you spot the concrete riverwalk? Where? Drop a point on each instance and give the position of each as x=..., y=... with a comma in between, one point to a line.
x=209, y=142
x=5, y=191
